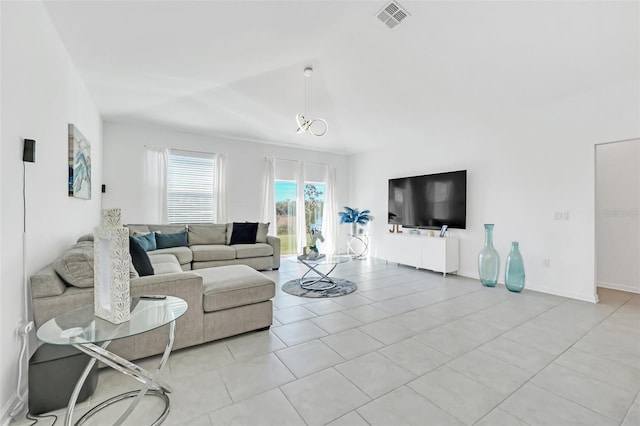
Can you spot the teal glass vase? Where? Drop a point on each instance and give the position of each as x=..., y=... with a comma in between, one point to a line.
x=514, y=270
x=488, y=259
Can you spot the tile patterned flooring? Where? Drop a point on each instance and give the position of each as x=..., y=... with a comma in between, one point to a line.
x=410, y=347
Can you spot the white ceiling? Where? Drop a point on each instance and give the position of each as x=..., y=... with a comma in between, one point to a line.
x=236, y=67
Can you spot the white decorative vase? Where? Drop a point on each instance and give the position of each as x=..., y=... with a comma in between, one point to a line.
x=112, y=301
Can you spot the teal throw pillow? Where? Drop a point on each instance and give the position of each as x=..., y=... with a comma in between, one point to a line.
x=140, y=258
x=147, y=241
x=179, y=239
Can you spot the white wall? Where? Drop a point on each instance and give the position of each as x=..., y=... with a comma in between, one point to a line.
x=124, y=154
x=41, y=94
x=522, y=168
x=618, y=215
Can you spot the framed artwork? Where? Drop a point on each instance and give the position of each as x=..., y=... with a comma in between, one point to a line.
x=79, y=164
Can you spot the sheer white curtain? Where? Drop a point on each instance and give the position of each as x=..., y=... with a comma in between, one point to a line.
x=301, y=228
x=156, y=162
x=268, y=196
x=220, y=189
x=330, y=212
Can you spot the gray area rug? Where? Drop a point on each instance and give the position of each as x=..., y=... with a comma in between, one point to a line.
x=342, y=287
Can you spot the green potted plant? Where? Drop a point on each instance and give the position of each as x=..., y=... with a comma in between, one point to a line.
x=355, y=217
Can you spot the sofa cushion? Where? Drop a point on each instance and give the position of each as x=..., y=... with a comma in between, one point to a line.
x=213, y=252
x=157, y=257
x=139, y=229
x=263, y=231
x=236, y=285
x=244, y=233
x=244, y=251
x=140, y=258
x=164, y=263
x=207, y=234
x=46, y=283
x=75, y=265
x=183, y=254
x=85, y=237
x=168, y=229
x=229, y=232
x=146, y=241
x=178, y=239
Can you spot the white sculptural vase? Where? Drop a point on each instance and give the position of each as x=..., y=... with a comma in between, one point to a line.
x=112, y=301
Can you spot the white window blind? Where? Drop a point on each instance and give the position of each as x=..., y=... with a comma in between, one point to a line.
x=190, y=178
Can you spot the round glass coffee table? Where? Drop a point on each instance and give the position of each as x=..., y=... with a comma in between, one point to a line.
x=81, y=329
x=321, y=280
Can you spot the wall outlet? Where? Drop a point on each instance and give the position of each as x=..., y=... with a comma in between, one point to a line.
x=561, y=215
x=546, y=263
x=24, y=328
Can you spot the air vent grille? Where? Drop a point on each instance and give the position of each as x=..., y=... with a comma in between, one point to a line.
x=392, y=14
x=391, y=9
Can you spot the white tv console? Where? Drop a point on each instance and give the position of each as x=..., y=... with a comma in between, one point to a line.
x=432, y=253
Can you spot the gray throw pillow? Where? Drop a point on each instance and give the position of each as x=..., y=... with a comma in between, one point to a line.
x=168, y=229
x=229, y=233
x=263, y=230
x=75, y=265
x=207, y=234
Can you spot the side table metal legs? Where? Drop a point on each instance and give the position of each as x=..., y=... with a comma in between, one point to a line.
x=363, y=241
x=153, y=385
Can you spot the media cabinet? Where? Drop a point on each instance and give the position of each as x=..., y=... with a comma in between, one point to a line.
x=423, y=252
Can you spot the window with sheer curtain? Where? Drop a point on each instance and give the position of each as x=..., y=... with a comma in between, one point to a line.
x=304, y=198
x=190, y=187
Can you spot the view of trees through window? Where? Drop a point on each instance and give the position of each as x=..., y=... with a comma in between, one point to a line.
x=285, y=198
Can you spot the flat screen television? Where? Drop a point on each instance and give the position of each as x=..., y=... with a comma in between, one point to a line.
x=429, y=201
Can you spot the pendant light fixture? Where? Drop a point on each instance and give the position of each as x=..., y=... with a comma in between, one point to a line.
x=315, y=126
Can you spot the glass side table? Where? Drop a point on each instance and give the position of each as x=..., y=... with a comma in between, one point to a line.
x=358, y=244
x=81, y=329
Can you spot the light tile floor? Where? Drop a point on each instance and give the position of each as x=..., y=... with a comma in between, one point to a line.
x=409, y=347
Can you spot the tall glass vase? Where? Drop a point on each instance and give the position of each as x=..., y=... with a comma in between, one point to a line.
x=514, y=270
x=488, y=259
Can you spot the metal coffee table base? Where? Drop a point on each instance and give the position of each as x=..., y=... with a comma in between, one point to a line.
x=322, y=282
x=152, y=385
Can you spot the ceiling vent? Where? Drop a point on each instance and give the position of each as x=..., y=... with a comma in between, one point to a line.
x=392, y=14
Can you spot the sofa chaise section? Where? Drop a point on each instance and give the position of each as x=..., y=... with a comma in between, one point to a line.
x=52, y=296
x=237, y=300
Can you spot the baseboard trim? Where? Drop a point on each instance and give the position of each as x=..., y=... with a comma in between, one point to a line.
x=621, y=287
x=592, y=298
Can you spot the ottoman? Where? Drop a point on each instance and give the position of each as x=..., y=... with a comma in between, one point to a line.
x=236, y=299
x=54, y=371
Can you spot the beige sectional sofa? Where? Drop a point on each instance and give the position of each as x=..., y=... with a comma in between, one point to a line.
x=223, y=301
x=210, y=245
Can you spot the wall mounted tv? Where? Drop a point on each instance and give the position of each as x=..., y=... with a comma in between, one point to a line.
x=429, y=201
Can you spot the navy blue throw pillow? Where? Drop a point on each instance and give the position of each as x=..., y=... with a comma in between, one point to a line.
x=147, y=241
x=244, y=233
x=140, y=258
x=179, y=239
